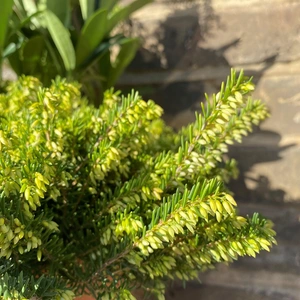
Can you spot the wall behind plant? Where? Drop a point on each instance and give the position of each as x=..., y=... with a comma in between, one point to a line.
x=188, y=48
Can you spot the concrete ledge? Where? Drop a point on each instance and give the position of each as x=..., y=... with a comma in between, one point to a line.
x=207, y=73
x=257, y=281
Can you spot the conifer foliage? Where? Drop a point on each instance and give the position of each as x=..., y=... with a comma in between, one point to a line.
x=106, y=200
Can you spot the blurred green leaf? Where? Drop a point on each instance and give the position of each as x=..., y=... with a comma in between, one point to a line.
x=15, y=62
x=105, y=68
x=61, y=9
x=31, y=8
x=17, y=26
x=13, y=46
x=124, y=13
x=73, y=45
x=19, y=9
x=102, y=48
x=108, y=4
x=32, y=53
x=5, y=12
x=61, y=39
x=87, y=8
x=129, y=47
x=91, y=36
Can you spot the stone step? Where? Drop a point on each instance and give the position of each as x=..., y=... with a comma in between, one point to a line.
x=207, y=73
x=269, y=168
x=195, y=291
x=259, y=282
x=228, y=283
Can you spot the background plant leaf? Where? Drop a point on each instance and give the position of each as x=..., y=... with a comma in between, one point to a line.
x=32, y=53
x=5, y=12
x=105, y=68
x=19, y=9
x=91, y=36
x=61, y=39
x=124, y=13
x=61, y=9
x=31, y=8
x=87, y=8
x=15, y=62
x=13, y=46
x=128, y=49
x=108, y=4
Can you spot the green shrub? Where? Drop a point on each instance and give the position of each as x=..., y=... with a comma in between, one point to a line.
x=72, y=39
x=104, y=201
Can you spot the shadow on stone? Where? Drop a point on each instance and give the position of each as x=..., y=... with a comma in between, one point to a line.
x=267, y=63
x=263, y=146
x=181, y=45
x=178, y=47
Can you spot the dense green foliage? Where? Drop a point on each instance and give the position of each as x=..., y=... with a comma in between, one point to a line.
x=73, y=39
x=106, y=200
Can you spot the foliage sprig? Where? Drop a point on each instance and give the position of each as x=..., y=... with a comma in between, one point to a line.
x=105, y=200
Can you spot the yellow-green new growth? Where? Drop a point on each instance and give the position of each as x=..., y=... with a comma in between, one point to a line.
x=105, y=200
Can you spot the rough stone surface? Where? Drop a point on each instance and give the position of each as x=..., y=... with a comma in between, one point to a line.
x=259, y=36
x=211, y=292
x=270, y=159
x=199, y=33
x=191, y=48
x=255, y=282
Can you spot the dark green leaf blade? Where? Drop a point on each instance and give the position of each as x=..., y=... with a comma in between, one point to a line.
x=32, y=53
x=105, y=68
x=124, y=13
x=129, y=47
x=91, y=36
